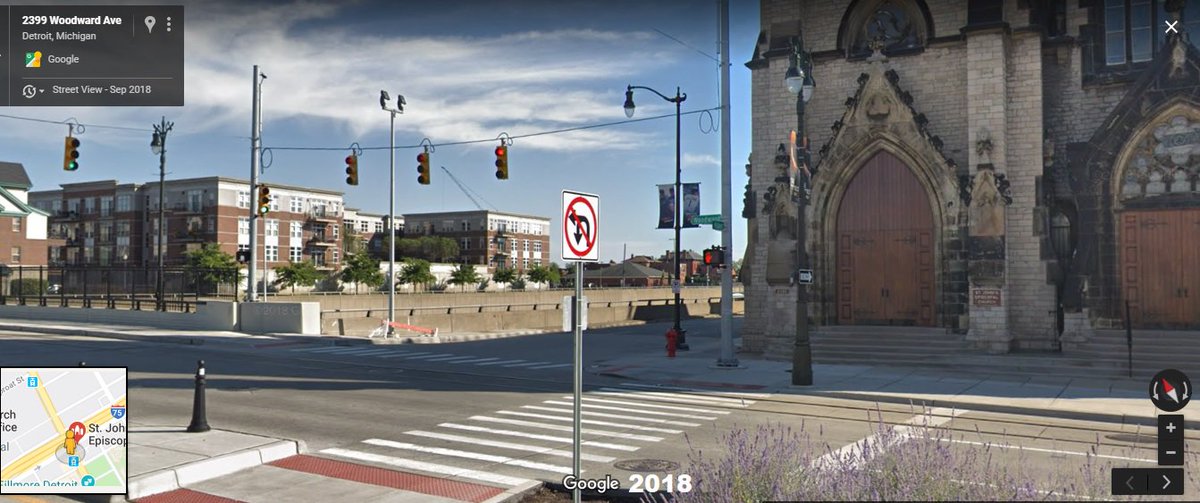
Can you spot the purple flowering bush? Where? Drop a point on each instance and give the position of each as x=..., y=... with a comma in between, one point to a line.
x=775, y=462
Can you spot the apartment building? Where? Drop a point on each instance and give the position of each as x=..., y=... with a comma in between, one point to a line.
x=487, y=237
x=23, y=232
x=369, y=228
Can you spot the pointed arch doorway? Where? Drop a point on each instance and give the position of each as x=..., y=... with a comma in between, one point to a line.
x=885, y=247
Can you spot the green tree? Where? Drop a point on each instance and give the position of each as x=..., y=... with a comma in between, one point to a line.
x=362, y=269
x=352, y=243
x=464, y=274
x=431, y=248
x=504, y=275
x=208, y=265
x=543, y=274
x=416, y=272
x=297, y=273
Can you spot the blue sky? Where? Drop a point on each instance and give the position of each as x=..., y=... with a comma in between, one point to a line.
x=469, y=70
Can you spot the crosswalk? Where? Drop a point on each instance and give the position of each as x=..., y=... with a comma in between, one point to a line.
x=402, y=354
x=512, y=446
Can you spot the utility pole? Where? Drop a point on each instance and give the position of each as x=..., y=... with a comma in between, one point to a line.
x=255, y=147
x=727, y=359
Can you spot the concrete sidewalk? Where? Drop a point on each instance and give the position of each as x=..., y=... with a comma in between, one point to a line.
x=163, y=459
x=1101, y=399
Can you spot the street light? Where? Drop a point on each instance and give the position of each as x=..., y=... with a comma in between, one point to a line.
x=677, y=100
x=158, y=145
x=800, y=82
x=383, y=103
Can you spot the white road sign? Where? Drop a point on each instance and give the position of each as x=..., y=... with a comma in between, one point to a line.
x=581, y=225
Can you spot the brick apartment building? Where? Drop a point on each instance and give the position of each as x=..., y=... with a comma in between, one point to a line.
x=23, y=236
x=978, y=164
x=488, y=237
x=369, y=228
x=108, y=223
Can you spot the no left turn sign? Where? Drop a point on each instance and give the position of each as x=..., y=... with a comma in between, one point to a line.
x=581, y=225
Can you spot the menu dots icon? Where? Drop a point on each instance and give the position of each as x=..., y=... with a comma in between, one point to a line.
x=168, y=23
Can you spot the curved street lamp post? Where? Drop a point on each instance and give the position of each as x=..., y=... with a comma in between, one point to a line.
x=799, y=81
x=677, y=100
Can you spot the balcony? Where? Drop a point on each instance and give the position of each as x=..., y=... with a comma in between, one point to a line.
x=187, y=209
x=321, y=241
x=62, y=215
x=323, y=216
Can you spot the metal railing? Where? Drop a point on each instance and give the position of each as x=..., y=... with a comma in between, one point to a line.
x=531, y=306
x=115, y=287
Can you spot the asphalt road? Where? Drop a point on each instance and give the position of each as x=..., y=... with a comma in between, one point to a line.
x=369, y=401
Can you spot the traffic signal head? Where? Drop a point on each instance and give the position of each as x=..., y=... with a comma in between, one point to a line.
x=264, y=199
x=423, y=168
x=352, y=169
x=714, y=257
x=70, y=154
x=502, y=162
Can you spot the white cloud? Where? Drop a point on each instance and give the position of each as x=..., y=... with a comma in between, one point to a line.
x=700, y=160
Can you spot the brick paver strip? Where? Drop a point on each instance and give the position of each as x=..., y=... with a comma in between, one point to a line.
x=462, y=491
x=185, y=496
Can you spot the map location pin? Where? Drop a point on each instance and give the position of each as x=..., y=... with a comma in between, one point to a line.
x=149, y=24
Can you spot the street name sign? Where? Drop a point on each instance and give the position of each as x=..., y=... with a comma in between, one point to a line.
x=706, y=219
x=581, y=224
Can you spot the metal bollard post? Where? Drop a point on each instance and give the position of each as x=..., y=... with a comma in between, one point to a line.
x=199, y=414
x=82, y=364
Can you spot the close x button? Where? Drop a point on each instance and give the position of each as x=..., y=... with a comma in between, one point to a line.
x=1147, y=481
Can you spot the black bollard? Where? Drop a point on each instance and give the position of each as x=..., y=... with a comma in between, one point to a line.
x=199, y=414
x=82, y=364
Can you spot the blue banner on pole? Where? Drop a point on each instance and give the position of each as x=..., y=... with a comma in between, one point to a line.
x=666, y=206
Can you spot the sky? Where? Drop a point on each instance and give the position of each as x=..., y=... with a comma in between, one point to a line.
x=468, y=70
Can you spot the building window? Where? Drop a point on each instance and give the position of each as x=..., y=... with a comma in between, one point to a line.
x=465, y=244
x=318, y=257
x=89, y=205
x=526, y=245
x=294, y=254
x=16, y=254
x=105, y=206
x=243, y=226
x=466, y=226
x=124, y=203
x=897, y=26
x=514, y=246
x=296, y=230
x=335, y=233
x=243, y=199
x=243, y=248
x=16, y=224
x=537, y=248
x=1134, y=30
x=336, y=255
x=272, y=252
x=364, y=226
x=297, y=205
x=525, y=263
x=378, y=226
x=272, y=228
x=275, y=202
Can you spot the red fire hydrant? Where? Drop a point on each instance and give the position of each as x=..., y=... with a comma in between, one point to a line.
x=672, y=341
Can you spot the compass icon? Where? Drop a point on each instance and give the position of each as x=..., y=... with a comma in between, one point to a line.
x=1170, y=390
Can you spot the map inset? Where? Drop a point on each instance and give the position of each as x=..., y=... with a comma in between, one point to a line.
x=63, y=430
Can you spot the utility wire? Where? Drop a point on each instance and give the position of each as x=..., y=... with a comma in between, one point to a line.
x=689, y=46
x=527, y=135
x=102, y=126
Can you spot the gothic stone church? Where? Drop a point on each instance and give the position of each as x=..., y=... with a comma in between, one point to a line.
x=1013, y=171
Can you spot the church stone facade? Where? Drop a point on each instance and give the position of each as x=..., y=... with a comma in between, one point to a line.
x=1015, y=171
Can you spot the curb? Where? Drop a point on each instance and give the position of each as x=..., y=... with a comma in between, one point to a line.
x=517, y=493
x=170, y=479
x=104, y=334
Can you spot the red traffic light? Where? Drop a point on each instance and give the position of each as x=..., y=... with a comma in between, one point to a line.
x=500, y=151
x=708, y=257
x=421, y=158
x=349, y=159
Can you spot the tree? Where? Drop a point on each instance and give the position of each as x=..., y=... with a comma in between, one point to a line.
x=209, y=265
x=352, y=244
x=542, y=274
x=297, y=273
x=432, y=248
x=464, y=274
x=415, y=272
x=362, y=269
x=504, y=275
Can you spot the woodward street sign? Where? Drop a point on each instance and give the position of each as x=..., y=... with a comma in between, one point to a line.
x=706, y=219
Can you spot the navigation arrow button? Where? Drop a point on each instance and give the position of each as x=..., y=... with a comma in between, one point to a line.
x=1129, y=483
x=1168, y=479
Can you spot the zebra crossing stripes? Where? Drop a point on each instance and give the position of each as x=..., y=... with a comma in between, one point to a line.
x=504, y=460
x=426, y=466
x=476, y=447
x=537, y=436
x=510, y=445
x=551, y=366
x=498, y=363
x=525, y=364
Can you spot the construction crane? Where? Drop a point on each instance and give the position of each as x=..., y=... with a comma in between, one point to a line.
x=468, y=191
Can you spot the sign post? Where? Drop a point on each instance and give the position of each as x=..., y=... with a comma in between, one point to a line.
x=581, y=223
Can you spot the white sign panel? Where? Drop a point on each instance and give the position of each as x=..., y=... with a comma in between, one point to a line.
x=567, y=308
x=581, y=225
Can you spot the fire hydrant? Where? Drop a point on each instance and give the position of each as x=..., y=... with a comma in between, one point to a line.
x=672, y=341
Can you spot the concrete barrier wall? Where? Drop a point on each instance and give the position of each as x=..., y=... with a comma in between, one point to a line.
x=211, y=315
x=413, y=300
x=280, y=317
x=471, y=320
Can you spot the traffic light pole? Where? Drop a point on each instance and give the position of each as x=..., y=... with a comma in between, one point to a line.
x=255, y=146
x=728, y=358
x=391, y=225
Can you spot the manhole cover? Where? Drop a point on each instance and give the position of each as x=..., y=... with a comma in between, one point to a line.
x=647, y=465
x=1129, y=437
